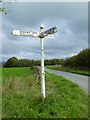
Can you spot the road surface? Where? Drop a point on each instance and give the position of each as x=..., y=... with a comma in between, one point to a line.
x=80, y=80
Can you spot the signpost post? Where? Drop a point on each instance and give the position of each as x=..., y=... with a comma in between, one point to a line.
x=42, y=34
x=42, y=64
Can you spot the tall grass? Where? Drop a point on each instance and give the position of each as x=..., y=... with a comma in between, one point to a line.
x=0, y=93
x=22, y=99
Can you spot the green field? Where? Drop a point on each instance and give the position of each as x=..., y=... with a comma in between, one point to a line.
x=71, y=70
x=0, y=93
x=21, y=96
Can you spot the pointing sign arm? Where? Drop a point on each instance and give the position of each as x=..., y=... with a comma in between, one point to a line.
x=50, y=36
x=50, y=31
x=23, y=33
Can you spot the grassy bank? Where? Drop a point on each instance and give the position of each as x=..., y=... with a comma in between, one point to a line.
x=0, y=93
x=71, y=70
x=21, y=96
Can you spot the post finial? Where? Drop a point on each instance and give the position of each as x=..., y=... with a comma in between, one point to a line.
x=41, y=27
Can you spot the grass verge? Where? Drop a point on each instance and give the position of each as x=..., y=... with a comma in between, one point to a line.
x=71, y=70
x=21, y=96
x=0, y=93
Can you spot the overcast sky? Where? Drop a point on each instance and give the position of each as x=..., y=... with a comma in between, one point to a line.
x=71, y=19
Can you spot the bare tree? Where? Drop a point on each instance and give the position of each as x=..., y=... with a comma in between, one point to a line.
x=4, y=9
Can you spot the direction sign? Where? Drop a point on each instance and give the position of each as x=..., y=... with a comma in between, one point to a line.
x=50, y=31
x=47, y=34
x=23, y=33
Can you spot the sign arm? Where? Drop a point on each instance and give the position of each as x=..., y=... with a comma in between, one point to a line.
x=23, y=33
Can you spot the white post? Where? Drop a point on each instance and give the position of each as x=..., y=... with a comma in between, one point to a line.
x=42, y=66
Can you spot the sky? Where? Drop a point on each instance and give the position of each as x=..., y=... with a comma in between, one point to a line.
x=70, y=18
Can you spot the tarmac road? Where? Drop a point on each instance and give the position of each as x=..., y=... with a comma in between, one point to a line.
x=80, y=80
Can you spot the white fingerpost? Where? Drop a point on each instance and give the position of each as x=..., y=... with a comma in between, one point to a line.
x=41, y=34
x=42, y=64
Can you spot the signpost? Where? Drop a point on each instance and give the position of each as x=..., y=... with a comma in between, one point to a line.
x=41, y=34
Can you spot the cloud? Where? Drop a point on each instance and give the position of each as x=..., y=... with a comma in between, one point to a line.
x=70, y=19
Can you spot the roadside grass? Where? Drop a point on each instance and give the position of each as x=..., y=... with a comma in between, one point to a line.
x=21, y=96
x=71, y=70
x=0, y=93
